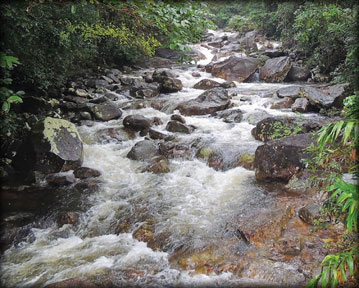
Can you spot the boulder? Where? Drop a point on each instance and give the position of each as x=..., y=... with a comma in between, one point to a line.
x=196, y=74
x=67, y=218
x=206, y=84
x=286, y=102
x=176, y=126
x=106, y=111
x=298, y=74
x=168, y=82
x=166, y=53
x=72, y=283
x=293, y=92
x=143, y=150
x=230, y=115
x=156, y=135
x=159, y=165
x=90, y=185
x=53, y=145
x=137, y=122
x=85, y=172
x=109, y=134
x=60, y=180
x=283, y=158
x=145, y=90
x=275, y=69
x=300, y=105
x=256, y=116
x=326, y=96
x=209, y=102
x=309, y=213
x=235, y=68
x=179, y=118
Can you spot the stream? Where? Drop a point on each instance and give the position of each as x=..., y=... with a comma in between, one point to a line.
x=187, y=211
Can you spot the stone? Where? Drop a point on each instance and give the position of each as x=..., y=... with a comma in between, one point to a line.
x=168, y=82
x=85, y=172
x=209, y=102
x=145, y=90
x=159, y=165
x=106, y=111
x=326, y=96
x=286, y=102
x=230, y=115
x=281, y=159
x=287, y=246
x=90, y=185
x=109, y=134
x=166, y=53
x=206, y=84
x=179, y=118
x=143, y=150
x=72, y=283
x=196, y=74
x=256, y=116
x=67, y=218
x=275, y=69
x=157, y=121
x=81, y=93
x=137, y=122
x=85, y=115
x=301, y=105
x=156, y=135
x=59, y=180
x=176, y=126
x=235, y=68
x=159, y=62
x=297, y=74
x=310, y=212
x=293, y=92
x=174, y=150
x=53, y=145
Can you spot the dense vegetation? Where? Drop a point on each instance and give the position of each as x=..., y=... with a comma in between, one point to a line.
x=53, y=39
x=322, y=33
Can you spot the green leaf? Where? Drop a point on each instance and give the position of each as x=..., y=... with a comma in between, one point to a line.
x=73, y=9
x=14, y=99
x=350, y=264
x=5, y=106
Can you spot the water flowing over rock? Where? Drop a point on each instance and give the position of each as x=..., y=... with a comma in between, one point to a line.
x=235, y=68
x=208, y=102
x=54, y=145
x=281, y=159
x=275, y=69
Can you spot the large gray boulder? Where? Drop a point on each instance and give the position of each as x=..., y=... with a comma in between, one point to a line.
x=275, y=69
x=297, y=74
x=326, y=96
x=235, y=68
x=53, y=145
x=283, y=158
x=143, y=150
x=106, y=111
x=209, y=102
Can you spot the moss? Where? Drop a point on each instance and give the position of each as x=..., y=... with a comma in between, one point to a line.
x=205, y=152
x=247, y=158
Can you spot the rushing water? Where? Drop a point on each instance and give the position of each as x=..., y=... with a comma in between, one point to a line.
x=189, y=207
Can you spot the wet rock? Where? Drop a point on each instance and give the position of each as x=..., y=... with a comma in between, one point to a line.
x=228, y=84
x=258, y=226
x=81, y=93
x=99, y=100
x=167, y=84
x=106, y=111
x=130, y=80
x=137, y=122
x=60, y=180
x=179, y=118
x=158, y=165
x=145, y=90
x=275, y=69
x=286, y=102
x=67, y=218
x=174, y=150
x=297, y=74
x=85, y=172
x=176, y=126
x=90, y=185
x=143, y=150
x=283, y=158
x=248, y=43
x=195, y=54
x=310, y=212
x=216, y=44
x=72, y=283
x=196, y=74
x=85, y=115
x=230, y=115
x=326, y=96
x=107, y=134
x=166, y=53
x=53, y=145
x=273, y=53
x=300, y=105
x=291, y=247
x=291, y=92
x=278, y=273
x=206, y=84
x=208, y=102
x=300, y=183
x=246, y=161
x=255, y=117
x=157, y=121
x=156, y=135
x=235, y=68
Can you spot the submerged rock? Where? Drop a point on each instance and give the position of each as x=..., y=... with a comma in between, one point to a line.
x=60, y=180
x=85, y=172
x=208, y=102
x=54, y=145
x=67, y=218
